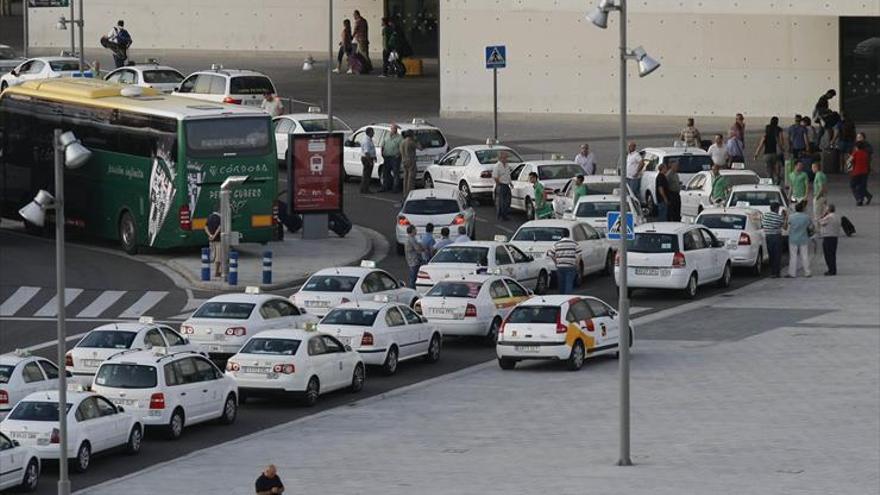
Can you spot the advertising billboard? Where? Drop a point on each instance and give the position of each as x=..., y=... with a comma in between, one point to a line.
x=316, y=175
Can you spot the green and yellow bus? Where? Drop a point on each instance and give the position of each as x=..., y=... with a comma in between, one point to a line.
x=156, y=166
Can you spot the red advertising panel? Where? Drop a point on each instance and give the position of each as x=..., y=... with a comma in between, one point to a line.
x=317, y=173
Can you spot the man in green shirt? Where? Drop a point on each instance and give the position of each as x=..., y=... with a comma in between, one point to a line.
x=391, y=160
x=542, y=207
x=580, y=189
x=799, y=182
x=820, y=190
x=720, y=186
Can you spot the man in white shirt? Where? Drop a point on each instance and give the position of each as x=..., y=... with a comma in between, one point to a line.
x=586, y=160
x=462, y=235
x=501, y=174
x=272, y=105
x=634, y=166
x=719, y=153
x=368, y=158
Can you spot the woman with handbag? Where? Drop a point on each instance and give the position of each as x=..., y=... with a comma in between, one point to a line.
x=859, y=165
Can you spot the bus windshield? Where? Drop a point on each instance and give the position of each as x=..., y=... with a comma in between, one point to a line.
x=228, y=137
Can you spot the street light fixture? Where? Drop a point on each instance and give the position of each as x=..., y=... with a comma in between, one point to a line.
x=599, y=17
x=226, y=238
x=61, y=25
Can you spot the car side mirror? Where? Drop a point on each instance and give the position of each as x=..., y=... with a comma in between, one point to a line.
x=530, y=292
x=347, y=348
x=718, y=244
x=424, y=320
x=348, y=143
x=16, y=443
x=400, y=283
x=120, y=409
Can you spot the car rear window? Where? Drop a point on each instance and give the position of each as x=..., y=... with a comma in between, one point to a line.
x=274, y=347
x=468, y=290
x=559, y=171
x=36, y=411
x=462, y=254
x=690, y=164
x=596, y=188
x=541, y=234
x=225, y=310
x=320, y=125
x=534, y=314
x=160, y=76
x=742, y=179
x=64, y=65
x=124, y=375
x=429, y=138
x=251, y=85
x=596, y=209
x=5, y=372
x=360, y=317
x=647, y=242
x=228, y=136
x=722, y=221
x=330, y=283
x=431, y=206
x=108, y=339
x=487, y=157
x=756, y=198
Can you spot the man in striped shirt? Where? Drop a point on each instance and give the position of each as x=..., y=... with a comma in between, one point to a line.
x=773, y=222
x=565, y=254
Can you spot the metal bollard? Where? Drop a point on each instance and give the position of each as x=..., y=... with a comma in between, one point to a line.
x=206, y=264
x=233, y=268
x=267, y=267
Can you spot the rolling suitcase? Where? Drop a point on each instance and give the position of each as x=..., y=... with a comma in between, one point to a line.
x=848, y=228
x=356, y=63
x=339, y=224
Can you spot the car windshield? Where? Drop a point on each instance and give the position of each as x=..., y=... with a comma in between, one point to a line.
x=64, y=65
x=330, y=283
x=597, y=188
x=320, y=125
x=462, y=254
x=429, y=138
x=36, y=411
x=690, y=164
x=646, y=242
x=162, y=76
x=487, y=157
x=431, y=207
x=559, y=171
x=251, y=85
x=217, y=137
x=593, y=209
x=540, y=234
x=6, y=53
x=469, y=290
x=742, y=179
x=274, y=347
x=756, y=198
x=6, y=372
x=123, y=375
x=108, y=339
x=722, y=221
x=225, y=310
x=534, y=314
x=360, y=317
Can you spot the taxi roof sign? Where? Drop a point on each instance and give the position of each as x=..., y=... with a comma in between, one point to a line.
x=368, y=264
x=500, y=238
x=314, y=109
x=765, y=181
x=737, y=166
x=252, y=289
x=743, y=204
x=609, y=171
x=147, y=320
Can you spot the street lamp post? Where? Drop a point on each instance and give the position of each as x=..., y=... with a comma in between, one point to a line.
x=226, y=235
x=61, y=25
x=599, y=17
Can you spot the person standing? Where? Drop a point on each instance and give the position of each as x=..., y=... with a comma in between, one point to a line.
x=720, y=186
x=820, y=190
x=408, y=149
x=427, y=241
x=662, y=188
x=269, y=483
x=272, y=105
x=362, y=38
x=674, y=210
x=501, y=175
x=773, y=222
x=444, y=239
x=799, y=139
x=690, y=135
x=799, y=182
x=738, y=128
x=586, y=160
x=391, y=159
x=634, y=166
x=565, y=254
x=120, y=39
x=368, y=158
x=580, y=190
x=212, y=230
x=344, y=47
x=772, y=145
x=387, y=35
x=414, y=254
x=822, y=109
x=543, y=209
x=736, y=150
x=847, y=137
x=799, y=241
x=858, y=175
x=718, y=152
x=462, y=235
x=829, y=230
x=860, y=138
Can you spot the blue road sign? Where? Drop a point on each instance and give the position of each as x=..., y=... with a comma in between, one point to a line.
x=614, y=226
x=496, y=57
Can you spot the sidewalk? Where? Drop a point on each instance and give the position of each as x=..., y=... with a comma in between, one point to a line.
x=766, y=390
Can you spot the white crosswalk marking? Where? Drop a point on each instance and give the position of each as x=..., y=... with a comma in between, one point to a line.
x=634, y=310
x=101, y=304
x=17, y=300
x=51, y=307
x=147, y=301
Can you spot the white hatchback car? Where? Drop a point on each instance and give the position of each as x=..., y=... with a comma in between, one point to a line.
x=559, y=327
x=21, y=375
x=696, y=194
x=472, y=306
x=432, y=145
x=42, y=68
x=236, y=86
x=691, y=161
x=302, y=362
x=383, y=333
x=673, y=255
x=536, y=237
x=161, y=77
x=302, y=123
x=94, y=424
x=758, y=197
x=168, y=390
x=552, y=174
x=741, y=230
x=597, y=185
x=21, y=466
x=469, y=169
x=439, y=207
x=594, y=209
x=331, y=287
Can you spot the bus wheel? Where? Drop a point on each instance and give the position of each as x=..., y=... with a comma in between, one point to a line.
x=128, y=233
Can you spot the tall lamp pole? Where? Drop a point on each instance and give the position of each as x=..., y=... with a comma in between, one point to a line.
x=599, y=17
x=61, y=25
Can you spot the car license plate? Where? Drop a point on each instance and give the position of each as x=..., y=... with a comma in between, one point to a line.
x=125, y=402
x=91, y=363
x=526, y=348
x=256, y=370
x=443, y=312
x=318, y=304
x=651, y=272
x=24, y=434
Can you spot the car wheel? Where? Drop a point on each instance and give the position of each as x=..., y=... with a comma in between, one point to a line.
x=128, y=233
x=609, y=263
x=3, y=86
x=357, y=379
x=491, y=337
x=389, y=367
x=83, y=458
x=434, y=349
x=724, y=281
x=542, y=283
x=530, y=209
x=690, y=290
x=758, y=269
x=135, y=438
x=465, y=191
x=31, y=476
x=507, y=364
x=313, y=390
x=576, y=358
x=230, y=410
x=429, y=182
x=174, y=429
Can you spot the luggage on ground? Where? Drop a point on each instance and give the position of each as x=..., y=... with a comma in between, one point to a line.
x=339, y=224
x=848, y=228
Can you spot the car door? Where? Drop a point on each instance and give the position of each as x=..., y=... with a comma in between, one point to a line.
x=390, y=287
x=697, y=253
x=562, y=201
x=11, y=463
x=525, y=268
x=32, y=379
x=520, y=186
x=352, y=154
x=593, y=248
x=334, y=352
x=580, y=314
x=51, y=372
x=189, y=84
x=691, y=195
x=418, y=331
x=187, y=389
x=322, y=363
x=714, y=255
x=210, y=387
x=92, y=426
x=174, y=341
x=398, y=332
x=504, y=263
x=458, y=168
x=115, y=424
x=283, y=128
x=34, y=71
x=153, y=338
x=605, y=322
x=443, y=171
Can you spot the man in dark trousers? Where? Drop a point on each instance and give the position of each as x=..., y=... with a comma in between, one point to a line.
x=269, y=483
x=829, y=229
x=368, y=158
x=212, y=230
x=773, y=223
x=119, y=40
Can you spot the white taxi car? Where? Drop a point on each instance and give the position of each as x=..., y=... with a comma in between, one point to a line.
x=42, y=68
x=99, y=344
x=439, y=207
x=559, y=327
x=301, y=123
x=494, y=257
x=236, y=86
x=21, y=375
x=383, y=333
x=593, y=209
x=596, y=185
x=331, y=287
x=691, y=161
x=432, y=145
x=673, y=255
x=696, y=194
x=223, y=323
x=472, y=306
x=536, y=237
x=758, y=197
x=552, y=174
x=94, y=424
x=301, y=362
x=168, y=390
x=469, y=169
x=149, y=75
x=740, y=229
x=20, y=466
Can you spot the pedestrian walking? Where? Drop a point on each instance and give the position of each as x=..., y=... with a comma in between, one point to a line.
x=799, y=139
x=662, y=189
x=720, y=186
x=118, y=40
x=212, y=230
x=444, y=239
x=772, y=145
x=368, y=159
x=462, y=235
x=736, y=150
x=822, y=109
x=829, y=230
x=272, y=105
x=634, y=167
x=269, y=483
x=427, y=241
x=345, y=47
x=718, y=152
x=391, y=159
x=565, y=254
x=799, y=227
x=362, y=38
x=739, y=129
x=831, y=124
x=414, y=254
x=586, y=160
x=543, y=209
x=860, y=166
x=690, y=134
x=501, y=175
x=580, y=190
x=820, y=190
x=860, y=138
x=773, y=222
x=408, y=149
x=799, y=183
x=673, y=214
x=847, y=139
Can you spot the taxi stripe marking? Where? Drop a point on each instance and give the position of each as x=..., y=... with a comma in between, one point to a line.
x=51, y=307
x=17, y=300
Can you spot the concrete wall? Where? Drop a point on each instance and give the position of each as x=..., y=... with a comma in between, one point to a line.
x=759, y=57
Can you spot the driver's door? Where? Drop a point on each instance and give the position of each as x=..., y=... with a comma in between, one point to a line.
x=443, y=172
x=690, y=195
x=352, y=154
x=525, y=270
x=519, y=185
x=283, y=128
x=456, y=170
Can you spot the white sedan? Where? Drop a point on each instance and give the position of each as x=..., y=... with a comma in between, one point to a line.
x=331, y=287
x=472, y=306
x=696, y=194
x=536, y=237
x=758, y=197
x=439, y=207
x=223, y=323
x=94, y=425
x=429, y=138
x=42, y=68
x=19, y=466
x=161, y=77
x=302, y=362
x=552, y=174
x=740, y=229
x=593, y=209
x=597, y=185
x=492, y=257
x=301, y=123
x=21, y=375
x=383, y=333
x=469, y=169
x=673, y=255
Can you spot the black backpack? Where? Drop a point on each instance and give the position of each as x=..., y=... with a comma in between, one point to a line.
x=848, y=228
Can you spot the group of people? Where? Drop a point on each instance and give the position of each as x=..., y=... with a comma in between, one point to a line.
x=801, y=229
x=399, y=161
x=418, y=250
x=356, y=44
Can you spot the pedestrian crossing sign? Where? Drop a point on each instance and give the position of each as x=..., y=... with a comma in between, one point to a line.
x=496, y=57
x=615, y=226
